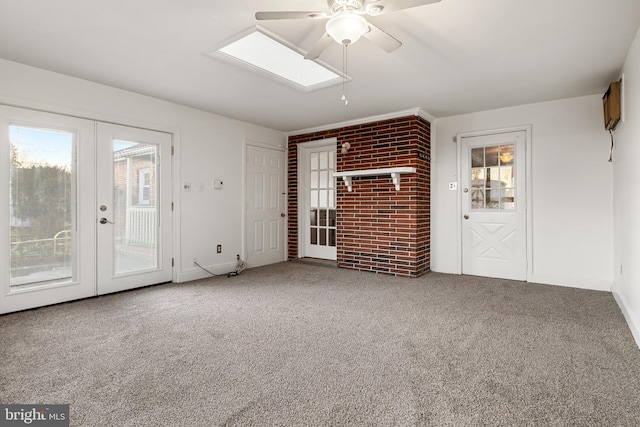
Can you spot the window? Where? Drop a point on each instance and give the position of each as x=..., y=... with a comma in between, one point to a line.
x=42, y=204
x=493, y=178
x=261, y=52
x=144, y=186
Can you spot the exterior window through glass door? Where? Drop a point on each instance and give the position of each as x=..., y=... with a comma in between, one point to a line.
x=42, y=200
x=135, y=228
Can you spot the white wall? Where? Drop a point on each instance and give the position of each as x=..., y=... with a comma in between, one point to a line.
x=571, y=200
x=626, y=195
x=208, y=147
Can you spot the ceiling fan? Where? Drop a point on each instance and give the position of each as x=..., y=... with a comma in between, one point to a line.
x=346, y=22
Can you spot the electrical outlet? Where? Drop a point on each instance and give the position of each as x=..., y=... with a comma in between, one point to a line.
x=219, y=249
x=195, y=261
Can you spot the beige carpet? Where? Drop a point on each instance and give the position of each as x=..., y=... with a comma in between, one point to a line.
x=294, y=344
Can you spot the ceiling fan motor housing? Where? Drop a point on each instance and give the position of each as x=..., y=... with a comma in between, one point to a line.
x=346, y=5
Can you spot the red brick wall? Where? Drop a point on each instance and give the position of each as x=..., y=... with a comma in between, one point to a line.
x=379, y=229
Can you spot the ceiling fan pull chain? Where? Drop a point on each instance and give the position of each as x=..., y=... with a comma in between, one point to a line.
x=344, y=74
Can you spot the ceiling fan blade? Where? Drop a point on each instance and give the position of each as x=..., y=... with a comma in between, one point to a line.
x=382, y=39
x=266, y=16
x=319, y=47
x=393, y=5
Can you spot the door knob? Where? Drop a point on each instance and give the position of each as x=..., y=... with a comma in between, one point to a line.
x=104, y=221
x=466, y=217
x=282, y=215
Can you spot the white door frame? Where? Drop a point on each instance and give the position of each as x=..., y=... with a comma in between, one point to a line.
x=285, y=241
x=528, y=186
x=303, y=182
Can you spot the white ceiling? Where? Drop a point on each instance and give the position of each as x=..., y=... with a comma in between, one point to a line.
x=458, y=56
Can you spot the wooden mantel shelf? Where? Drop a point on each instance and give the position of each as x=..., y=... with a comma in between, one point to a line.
x=393, y=172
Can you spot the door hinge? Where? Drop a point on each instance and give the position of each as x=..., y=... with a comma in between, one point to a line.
x=171, y=262
x=172, y=150
x=171, y=206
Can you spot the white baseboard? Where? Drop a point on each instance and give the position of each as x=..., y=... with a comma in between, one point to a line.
x=198, y=273
x=445, y=268
x=572, y=282
x=545, y=279
x=632, y=320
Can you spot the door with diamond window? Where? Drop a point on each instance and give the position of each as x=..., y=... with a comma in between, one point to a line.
x=494, y=205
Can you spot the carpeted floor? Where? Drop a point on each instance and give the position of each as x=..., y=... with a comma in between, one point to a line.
x=294, y=344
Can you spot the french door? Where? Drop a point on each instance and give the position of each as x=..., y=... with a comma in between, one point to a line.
x=318, y=227
x=133, y=207
x=47, y=194
x=61, y=179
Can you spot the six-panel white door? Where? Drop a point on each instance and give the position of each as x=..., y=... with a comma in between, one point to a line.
x=265, y=205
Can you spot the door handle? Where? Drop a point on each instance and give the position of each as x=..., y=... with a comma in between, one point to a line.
x=466, y=217
x=105, y=220
x=282, y=215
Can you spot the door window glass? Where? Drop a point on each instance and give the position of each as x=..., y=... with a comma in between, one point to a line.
x=42, y=199
x=135, y=229
x=493, y=178
x=322, y=198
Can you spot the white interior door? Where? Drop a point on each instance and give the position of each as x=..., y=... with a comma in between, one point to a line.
x=265, y=172
x=133, y=207
x=494, y=205
x=47, y=199
x=317, y=187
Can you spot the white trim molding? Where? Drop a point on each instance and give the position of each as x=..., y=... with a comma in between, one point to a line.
x=411, y=112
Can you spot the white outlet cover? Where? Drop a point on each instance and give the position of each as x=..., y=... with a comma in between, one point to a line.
x=187, y=186
x=453, y=186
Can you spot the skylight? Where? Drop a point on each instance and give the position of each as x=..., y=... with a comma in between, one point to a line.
x=262, y=52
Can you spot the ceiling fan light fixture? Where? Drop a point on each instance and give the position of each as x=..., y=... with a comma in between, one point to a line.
x=347, y=28
x=506, y=157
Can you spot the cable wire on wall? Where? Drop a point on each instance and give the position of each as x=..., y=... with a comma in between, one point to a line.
x=611, y=152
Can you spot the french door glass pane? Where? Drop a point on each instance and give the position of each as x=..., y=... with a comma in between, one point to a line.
x=135, y=218
x=42, y=198
x=322, y=195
